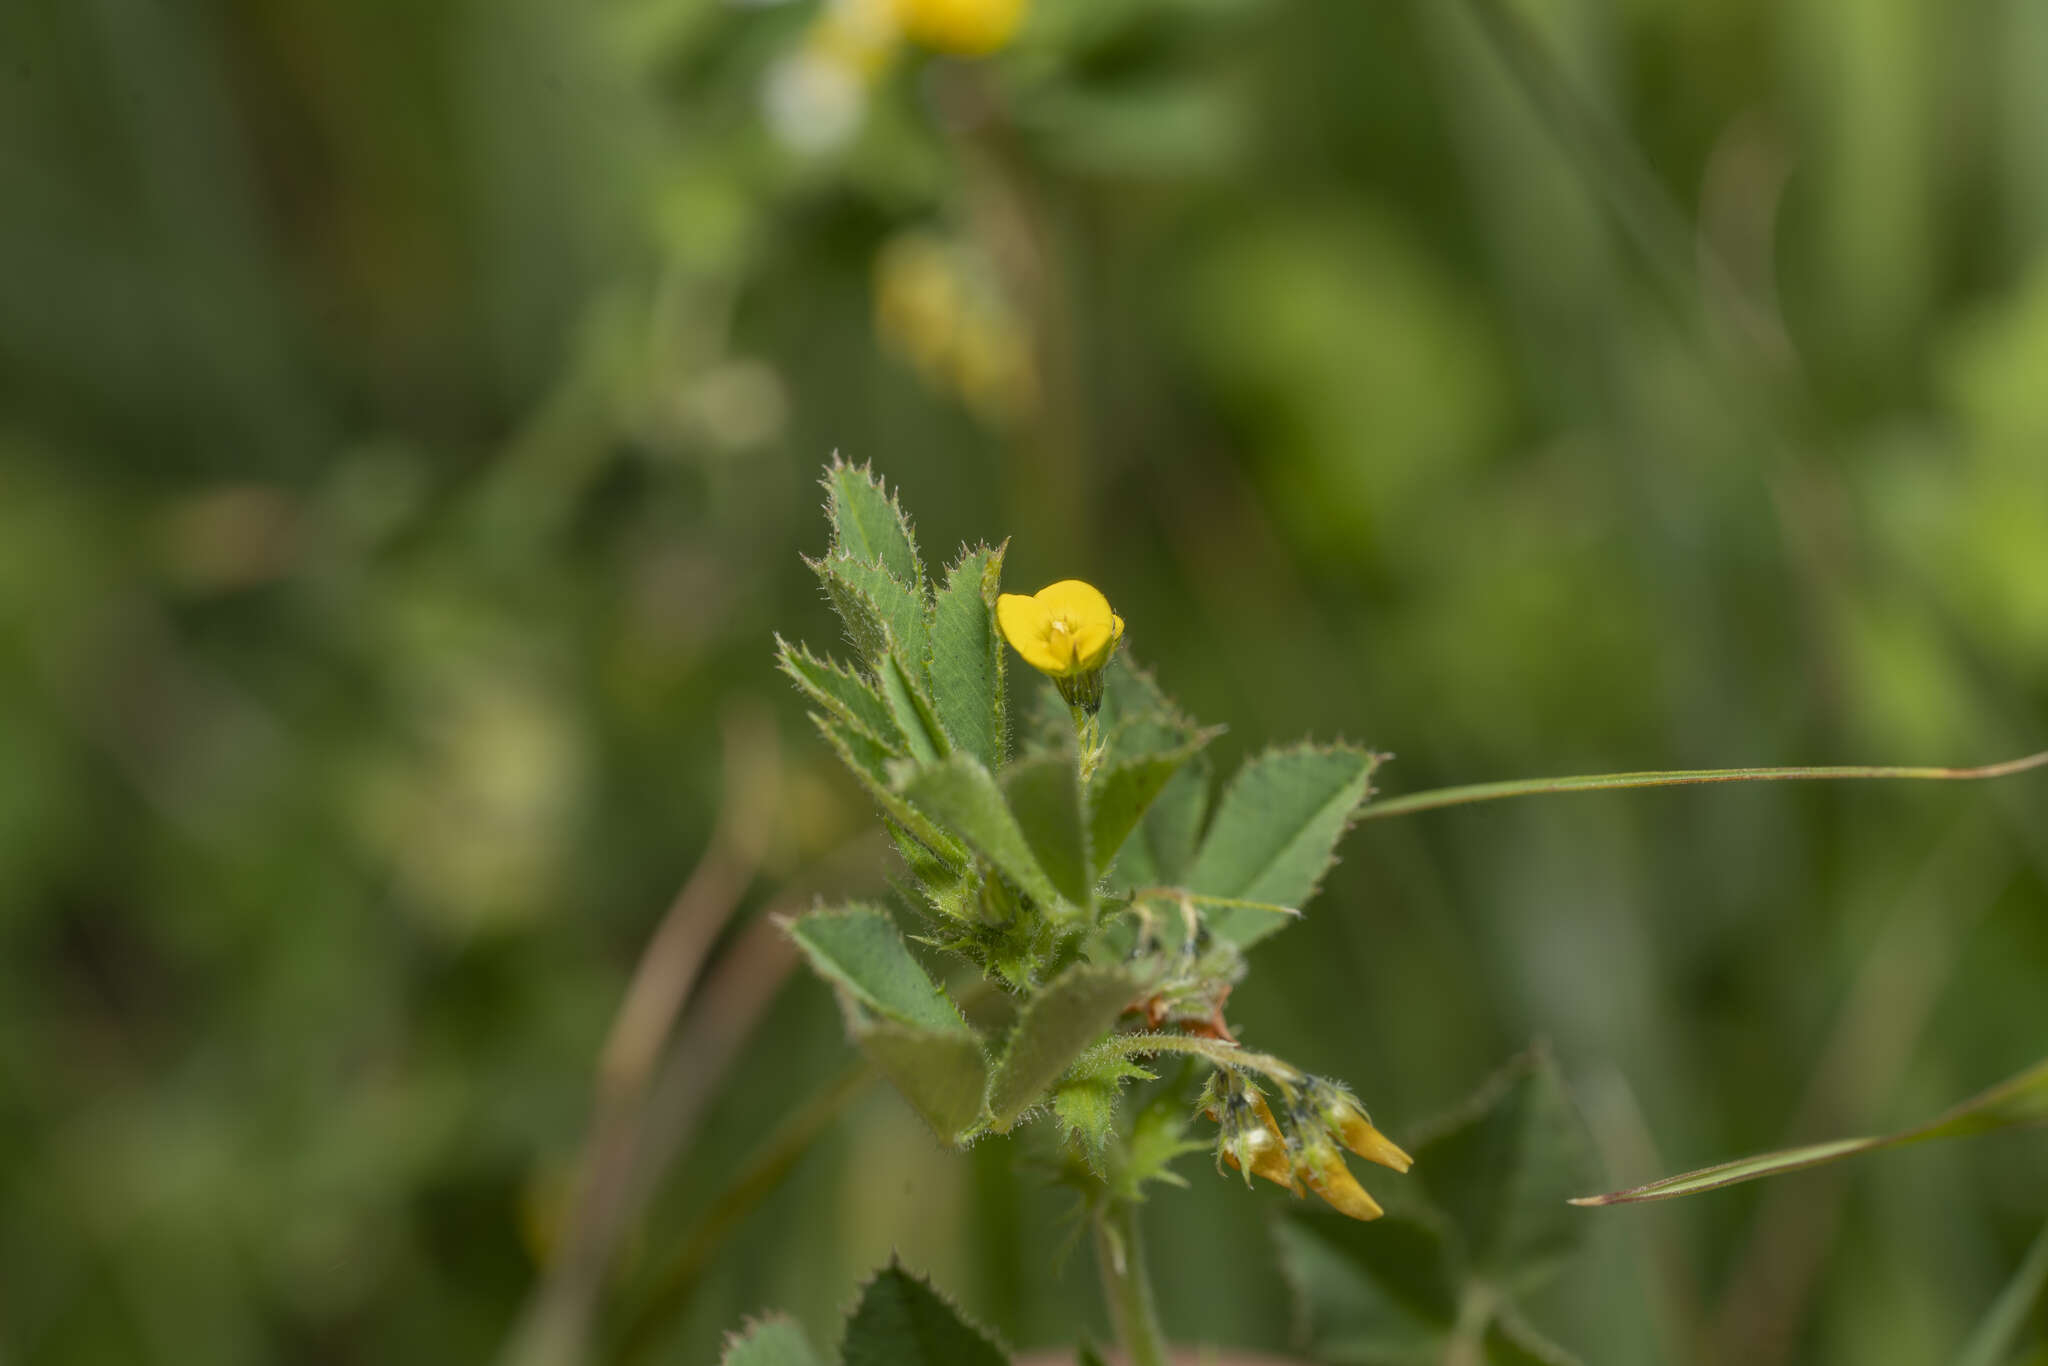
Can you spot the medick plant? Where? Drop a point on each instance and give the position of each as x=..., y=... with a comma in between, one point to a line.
x=1062, y=847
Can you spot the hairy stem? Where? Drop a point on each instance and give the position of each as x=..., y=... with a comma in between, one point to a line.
x=1127, y=1284
x=1606, y=782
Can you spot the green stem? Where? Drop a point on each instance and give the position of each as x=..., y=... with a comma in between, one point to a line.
x=1604, y=782
x=1127, y=1285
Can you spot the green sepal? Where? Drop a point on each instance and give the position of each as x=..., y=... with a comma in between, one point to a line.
x=966, y=664
x=902, y=1321
x=1067, y=1016
x=1275, y=833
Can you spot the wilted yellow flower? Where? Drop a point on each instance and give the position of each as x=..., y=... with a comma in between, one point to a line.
x=966, y=28
x=1065, y=631
x=1322, y=1166
x=1345, y=1119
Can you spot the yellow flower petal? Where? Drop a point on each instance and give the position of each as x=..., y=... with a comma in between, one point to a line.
x=1065, y=629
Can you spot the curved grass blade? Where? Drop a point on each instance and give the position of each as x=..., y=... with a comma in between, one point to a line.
x=2014, y=1103
x=1609, y=782
x=1999, y=1332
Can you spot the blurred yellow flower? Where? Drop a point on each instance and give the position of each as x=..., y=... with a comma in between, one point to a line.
x=1065, y=631
x=965, y=28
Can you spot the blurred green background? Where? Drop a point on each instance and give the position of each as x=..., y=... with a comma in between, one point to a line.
x=409, y=419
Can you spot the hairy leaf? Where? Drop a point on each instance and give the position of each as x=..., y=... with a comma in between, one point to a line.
x=942, y=1073
x=962, y=796
x=1085, y=1100
x=1044, y=793
x=773, y=1341
x=1075, y=1010
x=902, y=1321
x=2016, y=1102
x=845, y=695
x=859, y=950
x=878, y=608
x=1276, y=830
x=967, y=657
x=868, y=523
x=916, y=719
x=869, y=762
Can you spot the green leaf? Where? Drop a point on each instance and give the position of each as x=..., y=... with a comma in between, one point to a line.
x=962, y=795
x=1085, y=1100
x=1074, y=1011
x=916, y=719
x=942, y=1073
x=967, y=656
x=846, y=696
x=1122, y=793
x=1503, y=1167
x=1275, y=832
x=878, y=608
x=1382, y=1292
x=2014, y=1103
x=869, y=763
x=868, y=523
x=859, y=950
x=1158, y=852
x=1044, y=793
x=773, y=1341
x=902, y=1321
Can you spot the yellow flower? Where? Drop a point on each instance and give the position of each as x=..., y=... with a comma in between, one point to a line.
x=966, y=28
x=1065, y=631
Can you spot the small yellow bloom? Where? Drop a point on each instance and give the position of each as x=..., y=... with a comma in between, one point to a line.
x=1065, y=631
x=1322, y=1166
x=966, y=28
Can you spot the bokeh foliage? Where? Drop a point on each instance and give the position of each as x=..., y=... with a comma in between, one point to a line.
x=408, y=420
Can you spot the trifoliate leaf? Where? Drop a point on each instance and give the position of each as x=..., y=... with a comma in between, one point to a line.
x=868, y=523
x=1068, y=1015
x=967, y=657
x=773, y=1341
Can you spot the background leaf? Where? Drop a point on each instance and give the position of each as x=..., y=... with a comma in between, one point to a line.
x=774, y=1341
x=1502, y=1169
x=902, y=1321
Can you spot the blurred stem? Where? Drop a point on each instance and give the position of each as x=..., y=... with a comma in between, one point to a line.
x=1127, y=1283
x=678, y=1279
x=1993, y=1341
x=1603, y=782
